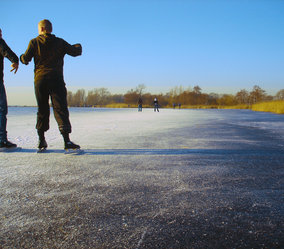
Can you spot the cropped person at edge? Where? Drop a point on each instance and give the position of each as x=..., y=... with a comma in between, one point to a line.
x=5, y=51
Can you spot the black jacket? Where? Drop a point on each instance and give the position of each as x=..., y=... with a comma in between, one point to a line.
x=48, y=52
x=5, y=51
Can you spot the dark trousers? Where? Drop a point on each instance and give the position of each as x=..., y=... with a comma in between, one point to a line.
x=3, y=113
x=56, y=90
x=156, y=107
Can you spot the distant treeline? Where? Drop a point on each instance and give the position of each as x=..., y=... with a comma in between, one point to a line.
x=100, y=97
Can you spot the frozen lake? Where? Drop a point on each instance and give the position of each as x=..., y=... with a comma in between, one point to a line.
x=173, y=179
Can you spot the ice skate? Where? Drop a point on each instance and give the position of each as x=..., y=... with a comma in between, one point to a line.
x=71, y=148
x=7, y=146
x=42, y=145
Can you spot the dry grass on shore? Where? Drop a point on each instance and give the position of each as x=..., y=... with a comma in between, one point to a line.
x=117, y=105
x=214, y=107
x=271, y=106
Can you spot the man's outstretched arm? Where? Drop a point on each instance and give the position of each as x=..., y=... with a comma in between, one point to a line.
x=74, y=50
x=8, y=53
x=28, y=55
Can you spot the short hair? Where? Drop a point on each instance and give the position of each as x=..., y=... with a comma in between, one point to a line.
x=46, y=24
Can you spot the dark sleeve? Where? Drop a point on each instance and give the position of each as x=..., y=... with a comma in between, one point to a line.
x=29, y=54
x=73, y=50
x=7, y=52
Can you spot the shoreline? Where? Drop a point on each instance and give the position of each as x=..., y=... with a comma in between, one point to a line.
x=276, y=107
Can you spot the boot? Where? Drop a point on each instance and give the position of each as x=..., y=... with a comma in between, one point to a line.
x=7, y=144
x=70, y=145
x=42, y=144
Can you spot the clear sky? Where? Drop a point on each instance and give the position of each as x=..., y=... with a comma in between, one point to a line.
x=221, y=45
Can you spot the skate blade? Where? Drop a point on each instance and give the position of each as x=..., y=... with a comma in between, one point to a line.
x=73, y=151
x=12, y=149
x=41, y=150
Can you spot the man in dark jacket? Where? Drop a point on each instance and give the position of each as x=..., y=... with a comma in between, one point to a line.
x=48, y=52
x=5, y=51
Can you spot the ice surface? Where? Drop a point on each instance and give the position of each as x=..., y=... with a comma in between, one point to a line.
x=173, y=179
x=99, y=128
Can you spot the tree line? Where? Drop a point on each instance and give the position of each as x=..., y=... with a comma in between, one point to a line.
x=100, y=97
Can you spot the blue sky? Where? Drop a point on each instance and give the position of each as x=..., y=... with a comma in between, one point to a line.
x=222, y=46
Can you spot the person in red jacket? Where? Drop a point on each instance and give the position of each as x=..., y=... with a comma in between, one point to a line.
x=5, y=51
x=48, y=52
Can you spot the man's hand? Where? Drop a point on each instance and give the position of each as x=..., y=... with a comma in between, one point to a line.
x=79, y=46
x=15, y=67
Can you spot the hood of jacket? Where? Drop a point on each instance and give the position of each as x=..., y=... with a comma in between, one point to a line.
x=46, y=38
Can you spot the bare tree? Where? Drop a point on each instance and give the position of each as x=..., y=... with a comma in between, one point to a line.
x=227, y=100
x=280, y=95
x=242, y=97
x=70, y=98
x=131, y=97
x=197, y=89
x=78, y=98
x=257, y=95
x=98, y=96
x=140, y=88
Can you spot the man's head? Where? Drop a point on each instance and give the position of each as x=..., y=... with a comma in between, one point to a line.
x=44, y=27
x=0, y=34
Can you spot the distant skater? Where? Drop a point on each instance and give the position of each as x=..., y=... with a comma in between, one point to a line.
x=5, y=51
x=140, y=103
x=48, y=52
x=156, y=105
